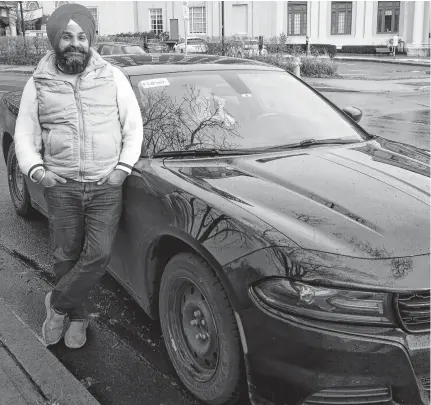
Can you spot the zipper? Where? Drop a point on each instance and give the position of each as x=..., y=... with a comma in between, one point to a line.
x=81, y=129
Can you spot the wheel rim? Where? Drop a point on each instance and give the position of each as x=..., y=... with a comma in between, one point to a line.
x=16, y=179
x=193, y=330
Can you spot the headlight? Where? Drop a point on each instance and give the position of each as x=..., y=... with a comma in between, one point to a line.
x=327, y=304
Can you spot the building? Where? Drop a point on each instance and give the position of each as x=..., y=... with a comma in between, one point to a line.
x=325, y=22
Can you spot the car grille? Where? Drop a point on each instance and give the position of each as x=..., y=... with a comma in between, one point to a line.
x=414, y=311
x=351, y=396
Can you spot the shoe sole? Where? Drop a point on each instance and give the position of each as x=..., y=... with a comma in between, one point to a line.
x=48, y=315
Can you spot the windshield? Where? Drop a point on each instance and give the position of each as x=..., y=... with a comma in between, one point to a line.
x=234, y=110
x=133, y=49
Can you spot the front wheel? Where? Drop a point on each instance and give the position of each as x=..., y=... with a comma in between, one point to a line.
x=199, y=330
x=18, y=190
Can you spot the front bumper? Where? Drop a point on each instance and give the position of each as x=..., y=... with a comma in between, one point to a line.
x=299, y=362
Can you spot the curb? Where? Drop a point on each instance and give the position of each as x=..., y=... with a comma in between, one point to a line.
x=23, y=72
x=395, y=62
x=43, y=369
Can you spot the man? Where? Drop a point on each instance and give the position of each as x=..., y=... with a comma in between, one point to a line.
x=78, y=134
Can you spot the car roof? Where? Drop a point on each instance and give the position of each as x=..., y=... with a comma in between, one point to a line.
x=115, y=43
x=152, y=63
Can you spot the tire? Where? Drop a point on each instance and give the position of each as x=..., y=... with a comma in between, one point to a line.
x=18, y=190
x=210, y=367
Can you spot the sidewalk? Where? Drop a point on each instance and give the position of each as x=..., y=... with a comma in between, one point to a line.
x=400, y=60
x=29, y=373
x=17, y=69
x=369, y=86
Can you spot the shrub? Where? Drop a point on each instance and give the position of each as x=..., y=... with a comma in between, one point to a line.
x=311, y=66
x=361, y=49
x=13, y=50
x=140, y=35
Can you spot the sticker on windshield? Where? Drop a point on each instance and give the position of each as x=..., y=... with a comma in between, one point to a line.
x=146, y=84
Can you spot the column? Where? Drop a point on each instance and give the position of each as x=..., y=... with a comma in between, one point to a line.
x=417, y=47
x=12, y=22
x=323, y=21
x=279, y=18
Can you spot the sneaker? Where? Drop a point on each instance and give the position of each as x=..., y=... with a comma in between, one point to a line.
x=52, y=329
x=76, y=334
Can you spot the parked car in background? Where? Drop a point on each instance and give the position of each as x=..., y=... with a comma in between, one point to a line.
x=116, y=48
x=194, y=45
x=244, y=47
x=285, y=250
x=155, y=45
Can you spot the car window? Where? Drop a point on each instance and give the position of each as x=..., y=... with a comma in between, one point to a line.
x=117, y=50
x=195, y=41
x=106, y=50
x=133, y=49
x=234, y=109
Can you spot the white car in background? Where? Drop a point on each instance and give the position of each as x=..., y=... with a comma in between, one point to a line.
x=246, y=48
x=194, y=45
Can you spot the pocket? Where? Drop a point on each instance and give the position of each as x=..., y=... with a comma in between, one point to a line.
x=60, y=145
x=104, y=148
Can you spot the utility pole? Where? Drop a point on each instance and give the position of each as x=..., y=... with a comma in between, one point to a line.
x=23, y=28
x=22, y=19
x=222, y=27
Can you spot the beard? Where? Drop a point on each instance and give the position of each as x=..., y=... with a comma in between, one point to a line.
x=73, y=60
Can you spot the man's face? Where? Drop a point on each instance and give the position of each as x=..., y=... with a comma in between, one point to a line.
x=73, y=53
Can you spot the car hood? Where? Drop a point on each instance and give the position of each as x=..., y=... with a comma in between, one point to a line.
x=367, y=201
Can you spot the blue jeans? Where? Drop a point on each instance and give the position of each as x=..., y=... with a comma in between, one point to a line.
x=83, y=219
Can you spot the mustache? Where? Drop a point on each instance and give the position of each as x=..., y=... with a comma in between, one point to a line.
x=76, y=49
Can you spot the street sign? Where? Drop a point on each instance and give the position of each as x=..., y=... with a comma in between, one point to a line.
x=395, y=40
x=186, y=22
x=186, y=10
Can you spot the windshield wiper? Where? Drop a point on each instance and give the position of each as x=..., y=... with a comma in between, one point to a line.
x=311, y=142
x=203, y=152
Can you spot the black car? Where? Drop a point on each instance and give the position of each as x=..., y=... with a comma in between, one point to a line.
x=116, y=48
x=284, y=249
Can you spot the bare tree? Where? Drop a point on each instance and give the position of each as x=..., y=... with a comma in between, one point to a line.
x=196, y=120
x=14, y=12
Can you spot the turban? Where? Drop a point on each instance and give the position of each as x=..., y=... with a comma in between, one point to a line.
x=60, y=18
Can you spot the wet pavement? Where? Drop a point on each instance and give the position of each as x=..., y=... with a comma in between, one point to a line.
x=402, y=117
x=391, y=71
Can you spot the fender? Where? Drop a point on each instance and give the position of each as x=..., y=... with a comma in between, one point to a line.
x=153, y=271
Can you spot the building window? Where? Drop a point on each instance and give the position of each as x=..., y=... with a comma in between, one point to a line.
x=95, y=14
x=197, y=20
x=156, y=20
x=297, y=18
x=341, y=18
x=388, y=17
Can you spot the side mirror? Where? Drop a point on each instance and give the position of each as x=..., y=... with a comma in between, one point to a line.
x=354, y=113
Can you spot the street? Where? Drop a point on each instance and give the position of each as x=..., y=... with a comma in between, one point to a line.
x=351, y=68
x=125, y=362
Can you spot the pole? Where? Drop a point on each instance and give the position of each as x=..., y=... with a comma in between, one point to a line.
x=22, y=20
x=222, y=28
x=23, y=29
x=185, y=35
x=186, y=21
